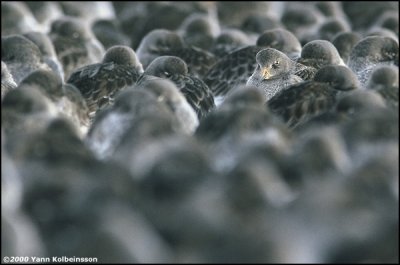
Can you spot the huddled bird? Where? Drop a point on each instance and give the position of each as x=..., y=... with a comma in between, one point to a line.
x=358, y=101
x=319, y=154
x=25, y=111
x=240, y=119
x=385, y=81
x=372, y=128
x=17, y=18
x=109, y=33
x=89, y=11
x=320, y=53
x=197, y=93
x=162, y=42
x=130, y=105
x=100, y=82
x=45, y=12
x=199, y=30
x=229, y=40
x=67, y=98
x=299, y=102
x=258, y=23
x=231, y=71
x=200, y=132
x=234, y=69
x=329, y=28
x=74, y=43
x=233, y=14
x=371, y=52
x=21, y=56
x=389, y=20
x=282, y=40
x=46, y=47
x=167, y=92
x=302, y=20
x=344, y=43
x=155, y=125
x=275, y=72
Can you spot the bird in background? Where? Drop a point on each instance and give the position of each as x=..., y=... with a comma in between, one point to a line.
x=17, y=18
x=320, y=53
x=344, y=43
x=227, y=41
x=46, y=47
x=45, y=12
x=163, y=42
x=25, y=111
x=113, y=122
x=21, y=56
x=75, y=44
x=65, y=97
x=371, y=52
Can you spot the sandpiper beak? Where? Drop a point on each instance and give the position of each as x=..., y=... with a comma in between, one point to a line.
x=265, y=73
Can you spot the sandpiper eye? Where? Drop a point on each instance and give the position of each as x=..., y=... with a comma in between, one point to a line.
x=167, y=74
x=275, y=64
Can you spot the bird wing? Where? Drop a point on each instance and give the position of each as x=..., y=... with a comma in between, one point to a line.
x=302, y=101
x=305, y=72
x=232, y=70
x=99, y=83
x=198, y=61
x=199, y=95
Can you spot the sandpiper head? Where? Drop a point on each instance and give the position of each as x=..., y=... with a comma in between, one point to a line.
x=273, y=63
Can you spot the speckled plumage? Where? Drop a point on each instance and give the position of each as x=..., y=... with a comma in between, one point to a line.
x=162, y=42
x=300, y=102
x=99, y=82
x=275, y=72
x=197, y=93
x=232, y=71
x=235, y=68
